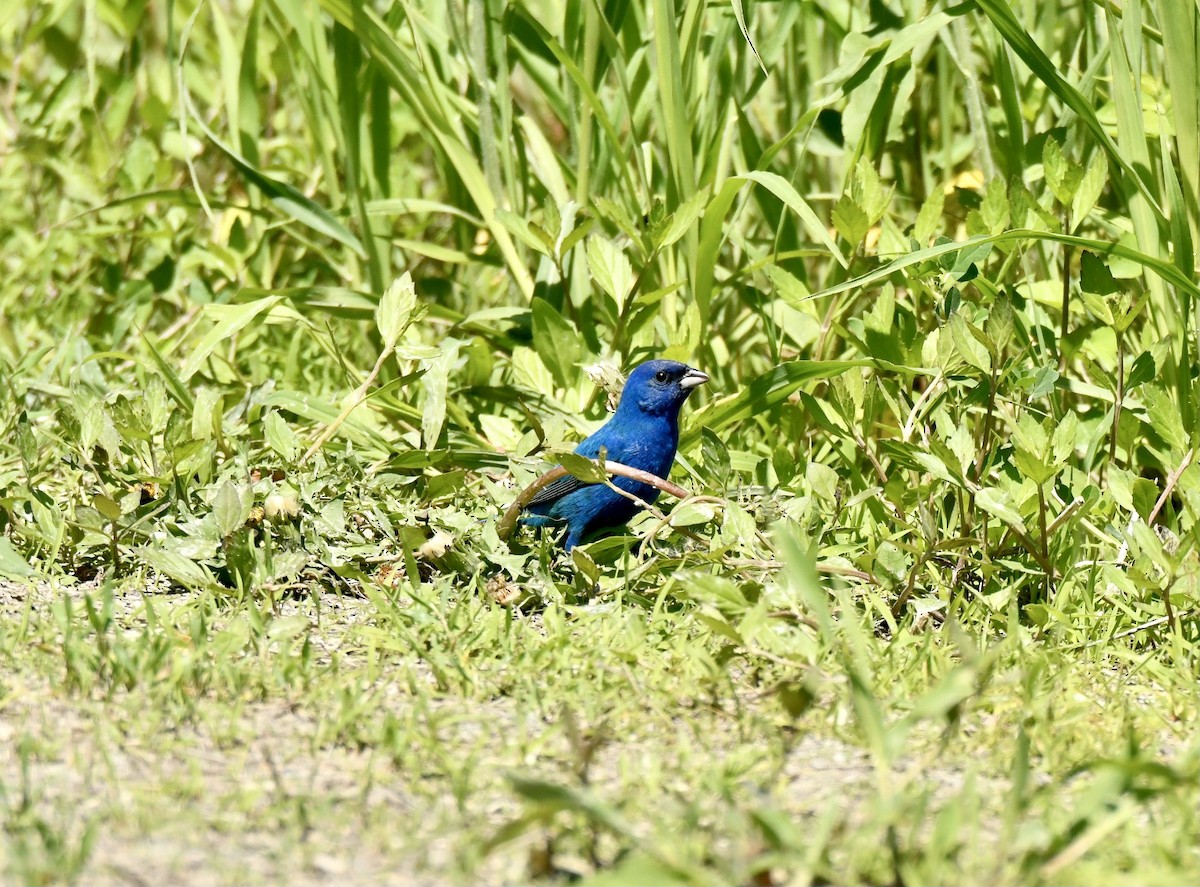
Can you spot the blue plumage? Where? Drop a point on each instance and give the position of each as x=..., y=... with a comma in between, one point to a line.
x=643, y=433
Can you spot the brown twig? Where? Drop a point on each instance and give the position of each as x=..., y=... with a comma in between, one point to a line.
x=357, y=398
x=1172, y=480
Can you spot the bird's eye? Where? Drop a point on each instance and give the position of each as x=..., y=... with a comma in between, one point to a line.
x=661, y=376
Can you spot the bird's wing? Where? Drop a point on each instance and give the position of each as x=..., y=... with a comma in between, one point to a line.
x=564, y=486
x=555, y=490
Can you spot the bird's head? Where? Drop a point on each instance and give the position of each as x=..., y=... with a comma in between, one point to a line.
x=659, y=387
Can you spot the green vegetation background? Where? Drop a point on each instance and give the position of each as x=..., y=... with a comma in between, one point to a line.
x=298, y=293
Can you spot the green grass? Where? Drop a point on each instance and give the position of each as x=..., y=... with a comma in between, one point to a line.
x=298, y=295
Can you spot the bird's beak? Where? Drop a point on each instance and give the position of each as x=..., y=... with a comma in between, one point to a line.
x=692, y=378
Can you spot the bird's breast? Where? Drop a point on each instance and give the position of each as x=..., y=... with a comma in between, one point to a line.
x=652, y=451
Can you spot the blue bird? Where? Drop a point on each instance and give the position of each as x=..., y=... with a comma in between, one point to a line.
x=643, y=433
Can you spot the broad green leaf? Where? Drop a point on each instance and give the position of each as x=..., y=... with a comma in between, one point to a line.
x=107, y=506
x=1128, y=312
x=994, y=211
x=822, y=479
x=1099, y=306
x=207, y=417
x=1066, y=438
x=524, y=232
x=867, y=191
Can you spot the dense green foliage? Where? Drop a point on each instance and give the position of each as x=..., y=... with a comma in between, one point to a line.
x=299, y=293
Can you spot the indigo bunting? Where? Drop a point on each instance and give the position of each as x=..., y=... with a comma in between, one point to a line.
x=643, y=433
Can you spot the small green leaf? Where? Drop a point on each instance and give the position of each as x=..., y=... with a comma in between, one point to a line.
x=107, y=506
x=868, y=192
x=690, y=514
x=929, y=219
x=1087, y=192
x=1164, y=418
x=1095, y=277
x=519, y=226
x=610, y=268
x=967, y=344
x=998, y=503
x=1128, y=311
x=557, y=342
x=207, y=414
x=395, y=310
x=229, y=512
x=280, y=437
x=1099, y=306
x=683, y=218
x=1062, y=175
x=435, y=386
x=994, y=211
x=177, y=567
x=230, y=319
x=582, y=467
x=850, y=220
x=1039, y=614
x=1066, y=438
x=999, y=324
x=1031, y=446
x=822, y=480
x=1044, y=381
x=12, y=565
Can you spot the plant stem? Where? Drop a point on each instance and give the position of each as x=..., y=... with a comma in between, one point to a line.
x=114, y=551
x=1066, y=296
x=1047, y=565
x=1112, y=440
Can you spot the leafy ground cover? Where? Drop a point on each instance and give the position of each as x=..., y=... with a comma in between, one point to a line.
x=298, y=294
